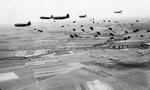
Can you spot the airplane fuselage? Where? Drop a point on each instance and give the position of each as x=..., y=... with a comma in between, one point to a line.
x=82, y=16
x=59, y=18
x=21, y=25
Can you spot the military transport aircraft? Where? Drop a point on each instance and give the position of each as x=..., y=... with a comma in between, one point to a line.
x=60, y=17
x=118, y=11
x=83, y=16
x=22, y=24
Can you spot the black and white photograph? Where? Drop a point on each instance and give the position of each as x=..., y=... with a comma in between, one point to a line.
x=74, y=44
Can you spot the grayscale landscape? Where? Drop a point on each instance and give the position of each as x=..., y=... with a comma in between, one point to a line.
x=59, y=52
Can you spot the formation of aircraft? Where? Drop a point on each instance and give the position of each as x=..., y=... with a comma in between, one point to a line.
x=113, y=35
x=43, y=17
x=118, y=35
x=60, y=18
x=23, y=24
x=135, y=28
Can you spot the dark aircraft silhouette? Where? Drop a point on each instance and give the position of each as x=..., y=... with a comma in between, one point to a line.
x=62, y=26
x=136, y=30
x=83, y=16
x=95, y=35
x=126, y=32
x=74, y=36
x=118, y=11
x=60, y=17
x=83, y=30
x=40, y=30
x=111, y=34
x=74, y=21
x=74, y=29
x=110, y=28
x=104, y=21
x=148, y=31
x=71, y=36
x=137, y=21
x=22, y=24
x=98, y=33
x=142, y=35
x=91, y=28
x=43, y=17
x=126, y=38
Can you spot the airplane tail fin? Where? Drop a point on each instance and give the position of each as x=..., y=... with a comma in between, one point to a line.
x=29, y=23
x=67, y=15
x=51, y=16
x=121, y=11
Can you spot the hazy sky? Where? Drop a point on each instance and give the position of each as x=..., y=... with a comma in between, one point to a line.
x=12, y=11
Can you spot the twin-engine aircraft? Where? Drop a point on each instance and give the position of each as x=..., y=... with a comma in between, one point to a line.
x=44, y=17
x=83, y=16
x=56, y=17
x=118, y=11
x=23, y=24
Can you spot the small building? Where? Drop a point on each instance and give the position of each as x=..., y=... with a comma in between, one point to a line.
x=128, y=44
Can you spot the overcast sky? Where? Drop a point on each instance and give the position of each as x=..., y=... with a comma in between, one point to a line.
x=13, y=11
